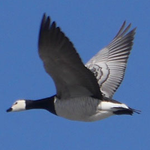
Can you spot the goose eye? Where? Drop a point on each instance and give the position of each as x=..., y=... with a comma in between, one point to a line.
x=15, y=103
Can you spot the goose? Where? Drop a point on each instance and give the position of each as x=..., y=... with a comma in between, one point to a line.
x=84, y=92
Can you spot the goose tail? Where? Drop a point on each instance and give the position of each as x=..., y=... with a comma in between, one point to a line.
x=118, y=108
x=125, y=111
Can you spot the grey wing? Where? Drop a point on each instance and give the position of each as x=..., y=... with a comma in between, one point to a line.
x=109, y=64
x=63, y=64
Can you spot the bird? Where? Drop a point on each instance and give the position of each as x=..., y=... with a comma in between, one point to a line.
x=83, y=92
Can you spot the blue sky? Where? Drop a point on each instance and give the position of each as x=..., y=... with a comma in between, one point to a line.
x=90, y=25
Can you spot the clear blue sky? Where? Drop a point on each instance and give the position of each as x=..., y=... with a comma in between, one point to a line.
x=90, y=25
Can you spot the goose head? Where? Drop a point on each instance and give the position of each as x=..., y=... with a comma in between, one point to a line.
x=18, y=105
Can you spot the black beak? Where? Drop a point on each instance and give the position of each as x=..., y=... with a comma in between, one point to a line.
x=9, y=110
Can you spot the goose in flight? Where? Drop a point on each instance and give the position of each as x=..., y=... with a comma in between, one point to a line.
x=84, y=92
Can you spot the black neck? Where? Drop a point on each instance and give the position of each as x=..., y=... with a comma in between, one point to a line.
x=45, y=103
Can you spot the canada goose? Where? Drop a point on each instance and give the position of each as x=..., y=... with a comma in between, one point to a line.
x=81, y=95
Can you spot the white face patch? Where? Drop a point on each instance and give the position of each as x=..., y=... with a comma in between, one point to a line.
x=19, y=105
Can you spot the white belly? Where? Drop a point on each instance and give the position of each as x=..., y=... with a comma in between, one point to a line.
x=83, y=109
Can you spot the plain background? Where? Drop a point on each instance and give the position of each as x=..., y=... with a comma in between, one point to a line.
x=90, y=25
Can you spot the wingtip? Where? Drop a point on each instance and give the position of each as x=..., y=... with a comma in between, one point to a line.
x=123, y=30
x=44, y=17
x=124, y=24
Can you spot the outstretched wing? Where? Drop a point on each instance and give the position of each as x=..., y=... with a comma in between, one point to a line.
x=109, y=64
x=63, y=64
